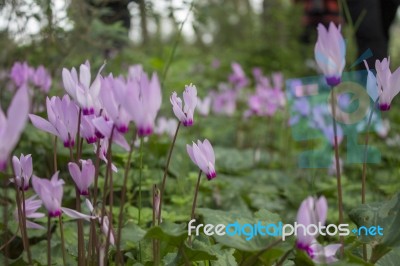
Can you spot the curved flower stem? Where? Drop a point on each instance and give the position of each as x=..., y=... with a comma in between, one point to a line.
x=123, y=197
x=48, y=240
x=10, y=240
x=195, y=201
x=140, y=191
x=338, y=175
x=96, y=173
x=166, y=171
x=62, y=239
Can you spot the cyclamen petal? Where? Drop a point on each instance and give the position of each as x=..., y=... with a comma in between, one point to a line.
x=50, y=192
x=12, y=126
x=185, y=113
x=203, y=156
x=330, y=52
x=23, y=171
x=387, y=83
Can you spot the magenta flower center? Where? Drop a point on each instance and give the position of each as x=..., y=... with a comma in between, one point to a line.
x=91, y=140
x=306, y=248
x=188, y=122
x=384, y=107
x=145, y=131
x=211, y=175
x=88, y=111
x=333, y=81
x=55, y=213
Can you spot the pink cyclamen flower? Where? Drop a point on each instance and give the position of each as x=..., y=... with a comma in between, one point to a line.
x=63, y=119
x=313, y=211
x=21, y=72
x=50, y=192
x=165, y=125
x=143, y=101
x=238, y=77
x=106, y=129
x=185, y=112
x=42, y=79
x=203, y=106
x=23, y=171
x=203, y=156
x=388, y=83
x=330, y=53
x=224, y=102
x=12, y=126
x=31, y=206
x=112, y=95
x=82, y=178
x=81, y=90
x=88, y=130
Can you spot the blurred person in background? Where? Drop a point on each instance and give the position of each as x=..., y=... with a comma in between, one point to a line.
x=375, y=18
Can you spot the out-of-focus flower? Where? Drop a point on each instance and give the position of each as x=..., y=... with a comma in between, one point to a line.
x=224, y=102
x=301, y=108
x=313, y=211
x=12, y=126
x=238, y=78
x=82, y=178
x=330, y=53
x=31, y=206
x=203, y=156
x=23, y=171
x=63, y=119
x=85, y=94
x=143, y=100
x=216, y=63
x=332, y=167
x=165, y=125
x=203, y=106
x=21, y=72
x=50, y=192
x=42, y=79
x=112, y=95
x=185, y=112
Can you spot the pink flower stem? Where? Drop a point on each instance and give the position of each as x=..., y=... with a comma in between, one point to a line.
x=166, y=171
x=48, y=240
x=62, y=239
x=338, y=175
x=195, y=201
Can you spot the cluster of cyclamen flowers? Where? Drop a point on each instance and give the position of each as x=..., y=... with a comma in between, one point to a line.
x=100, y=112
x=24, y=75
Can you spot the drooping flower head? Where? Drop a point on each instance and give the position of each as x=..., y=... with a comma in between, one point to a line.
x=185, y=112
x=85, y=94
x=330, y=53
x=23, y=171
x=63, y=119
x=202, y=154
x=84, y=177
x=31, y=206
x=143, y=100
x=88, y=130
x=313, y=211
x=224, y=102
x=50, y=192
x=41, y=79
x=12, y=125
x=387, y=83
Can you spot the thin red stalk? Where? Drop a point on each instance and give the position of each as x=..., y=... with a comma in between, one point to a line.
x=62, y=240
x=111, y=202
x=55, y=154
x=123, y=197
x=48, y=240
x=338, y=175
x=5, y=222
x=166, y=171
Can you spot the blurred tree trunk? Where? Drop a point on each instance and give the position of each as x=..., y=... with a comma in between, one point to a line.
x=143, y=22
